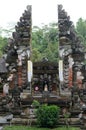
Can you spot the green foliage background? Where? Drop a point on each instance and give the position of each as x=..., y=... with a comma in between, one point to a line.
x=45, y=42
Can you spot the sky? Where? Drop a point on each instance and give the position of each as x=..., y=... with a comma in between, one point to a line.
x=43, y=11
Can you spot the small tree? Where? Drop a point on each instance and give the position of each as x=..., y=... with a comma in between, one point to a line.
x=35, y=104
x=47, y=116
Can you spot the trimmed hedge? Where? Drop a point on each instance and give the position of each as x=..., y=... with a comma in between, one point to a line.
x=47, y=116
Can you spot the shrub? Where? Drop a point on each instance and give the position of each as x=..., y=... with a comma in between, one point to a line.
x=47, y=116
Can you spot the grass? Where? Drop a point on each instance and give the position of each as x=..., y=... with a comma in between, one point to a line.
x=35, y=128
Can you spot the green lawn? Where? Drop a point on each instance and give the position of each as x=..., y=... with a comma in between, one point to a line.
x=34, y=128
